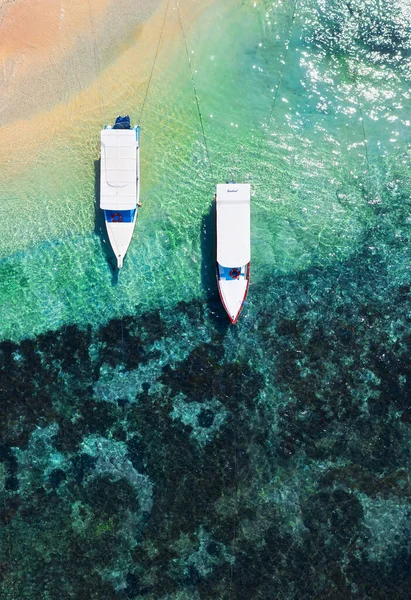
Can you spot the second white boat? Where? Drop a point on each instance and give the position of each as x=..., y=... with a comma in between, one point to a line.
x=233, y=245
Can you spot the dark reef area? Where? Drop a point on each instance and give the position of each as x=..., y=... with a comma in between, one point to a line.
x=128, y=472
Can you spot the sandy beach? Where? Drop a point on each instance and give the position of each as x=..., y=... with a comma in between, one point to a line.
x=82, y=68
x=51, y=50
x=29, y=29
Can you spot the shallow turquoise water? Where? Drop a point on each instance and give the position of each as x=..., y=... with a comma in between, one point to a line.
x=312, y=184
x=163, y=452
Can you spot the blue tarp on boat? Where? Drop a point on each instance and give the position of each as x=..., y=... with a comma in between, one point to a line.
x=122, y=123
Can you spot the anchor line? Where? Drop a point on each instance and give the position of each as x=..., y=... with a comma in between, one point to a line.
x=154, y=63
x=10, y=551
x=279, y=80
x=122, y=331
x=281, y=76
x=96, y=59
x=364, y=135
x=235, y=523
x=197, y=99
x=353, y=74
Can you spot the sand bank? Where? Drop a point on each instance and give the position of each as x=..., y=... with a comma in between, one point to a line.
x=67, y=103
x=29, y=29
x=50, y=50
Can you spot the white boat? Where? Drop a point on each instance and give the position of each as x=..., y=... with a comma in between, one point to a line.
x=233, y=245
x=120, y=183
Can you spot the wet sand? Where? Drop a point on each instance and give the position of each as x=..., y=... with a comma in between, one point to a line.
x=50, y=50
x=29, y=29
x=83, y=76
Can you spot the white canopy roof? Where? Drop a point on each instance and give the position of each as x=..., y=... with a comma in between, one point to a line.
x=233, y=224
x=118, y=186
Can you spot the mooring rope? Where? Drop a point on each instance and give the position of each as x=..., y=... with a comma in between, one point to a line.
x=95, y=52
x=9, y=543
x=154, y=63
x=197, y=99
x=122, y=332
x=235, y=524
x=364, y=135
x=280, y=78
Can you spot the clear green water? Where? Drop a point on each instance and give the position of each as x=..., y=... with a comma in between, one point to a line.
x=307, y=166
x=164, y=453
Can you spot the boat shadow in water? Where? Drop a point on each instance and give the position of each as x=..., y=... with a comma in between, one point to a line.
x=208, y=270
x=100, y=226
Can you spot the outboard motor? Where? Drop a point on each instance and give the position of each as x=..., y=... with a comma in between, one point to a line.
x=122, y=123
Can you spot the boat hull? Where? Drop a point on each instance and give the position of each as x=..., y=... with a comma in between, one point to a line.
x=233, y=245
x=120, y=183
x=120, y=232
x=233, y=291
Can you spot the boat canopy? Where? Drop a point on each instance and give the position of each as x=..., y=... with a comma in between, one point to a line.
x=233, y=224
x=118, y=189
